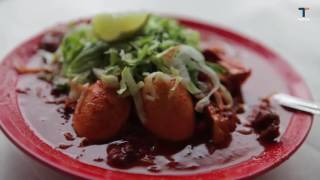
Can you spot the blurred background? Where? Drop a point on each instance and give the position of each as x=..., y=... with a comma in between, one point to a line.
x=275, y=23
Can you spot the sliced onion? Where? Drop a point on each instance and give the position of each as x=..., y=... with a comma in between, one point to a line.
x=188, y=53
x=226, y=96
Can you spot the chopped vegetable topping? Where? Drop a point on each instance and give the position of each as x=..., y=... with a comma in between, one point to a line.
x=153, y=44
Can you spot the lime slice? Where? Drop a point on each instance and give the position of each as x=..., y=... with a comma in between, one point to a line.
x=110, y=27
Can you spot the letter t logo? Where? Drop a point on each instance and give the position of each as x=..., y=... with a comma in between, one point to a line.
x=303, y=11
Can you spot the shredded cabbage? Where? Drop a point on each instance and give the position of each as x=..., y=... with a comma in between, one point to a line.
x=134, y=89
x=161, y=47
x=110, y=80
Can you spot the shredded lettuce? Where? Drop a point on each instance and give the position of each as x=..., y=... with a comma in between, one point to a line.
x=81, y=51
x=90, y=57
x=127, y=77
x=111, y=80
x=134, y=88
x=82, y=78
x=161, y=45
x=75, y=41
x=217, y=68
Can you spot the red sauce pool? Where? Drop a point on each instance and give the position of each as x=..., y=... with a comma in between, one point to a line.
x=49, y=123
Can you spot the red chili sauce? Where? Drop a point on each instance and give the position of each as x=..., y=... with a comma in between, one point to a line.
x=144, y=153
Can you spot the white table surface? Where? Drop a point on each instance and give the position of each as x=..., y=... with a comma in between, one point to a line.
x=274, y=23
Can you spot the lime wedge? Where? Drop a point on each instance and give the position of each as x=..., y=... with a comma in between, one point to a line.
x=110, y=27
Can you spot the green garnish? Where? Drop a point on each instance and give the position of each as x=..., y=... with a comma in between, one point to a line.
x=122, y=50
x=90, y=57
x=81, y=49
x=217, y=67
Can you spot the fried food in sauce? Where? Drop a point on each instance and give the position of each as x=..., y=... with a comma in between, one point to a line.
x=168, y=108
x=100, y=113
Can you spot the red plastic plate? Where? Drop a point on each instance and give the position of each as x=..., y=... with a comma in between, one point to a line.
x=16, y=128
